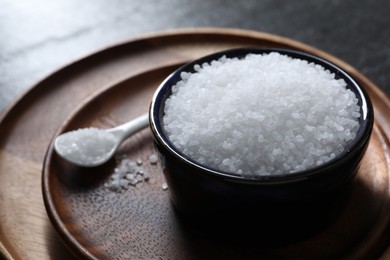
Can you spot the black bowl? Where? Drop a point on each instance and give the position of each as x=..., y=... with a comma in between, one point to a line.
x=217, y=200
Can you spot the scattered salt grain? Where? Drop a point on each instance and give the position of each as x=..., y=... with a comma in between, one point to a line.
x=146, y=176
x=261, y=115
x=164, y=186
x=139, y=161
x=127, y=173
x=132, y=179
x=87, y=145
x=153, y=159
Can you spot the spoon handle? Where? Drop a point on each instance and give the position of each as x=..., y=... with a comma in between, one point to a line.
x=131, y=127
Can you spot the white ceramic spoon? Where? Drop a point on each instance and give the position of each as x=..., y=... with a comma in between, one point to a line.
x=90, y=147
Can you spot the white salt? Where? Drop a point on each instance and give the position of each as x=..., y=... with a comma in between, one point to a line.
x=87, y=145
x=128, y=173
x=164, y=186
x=262, y=115
x=139, y=161
x=153, y=159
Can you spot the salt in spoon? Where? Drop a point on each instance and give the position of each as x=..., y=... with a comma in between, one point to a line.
x=90, y=147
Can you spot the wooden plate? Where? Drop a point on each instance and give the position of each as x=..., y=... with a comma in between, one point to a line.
x=139, y=222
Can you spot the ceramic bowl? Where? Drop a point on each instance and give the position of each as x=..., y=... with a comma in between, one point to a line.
x=208, y=197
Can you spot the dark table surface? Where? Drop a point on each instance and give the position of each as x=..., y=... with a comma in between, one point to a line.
x=38, y=37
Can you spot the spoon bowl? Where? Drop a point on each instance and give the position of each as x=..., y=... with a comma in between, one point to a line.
x=91, y=147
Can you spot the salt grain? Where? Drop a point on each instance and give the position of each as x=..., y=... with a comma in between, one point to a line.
x=164, y=186
x=139, y=161
x=153, y=159
x=127, y=173
x=261, y=115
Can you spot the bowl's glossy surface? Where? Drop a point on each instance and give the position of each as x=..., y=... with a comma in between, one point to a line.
x=207, y=195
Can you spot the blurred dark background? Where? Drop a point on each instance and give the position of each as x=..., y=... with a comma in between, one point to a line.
x=38, y=37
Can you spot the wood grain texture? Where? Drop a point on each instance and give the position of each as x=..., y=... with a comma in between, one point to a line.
x=28, y=126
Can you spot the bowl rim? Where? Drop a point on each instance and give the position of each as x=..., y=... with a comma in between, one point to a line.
x=366, y=119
